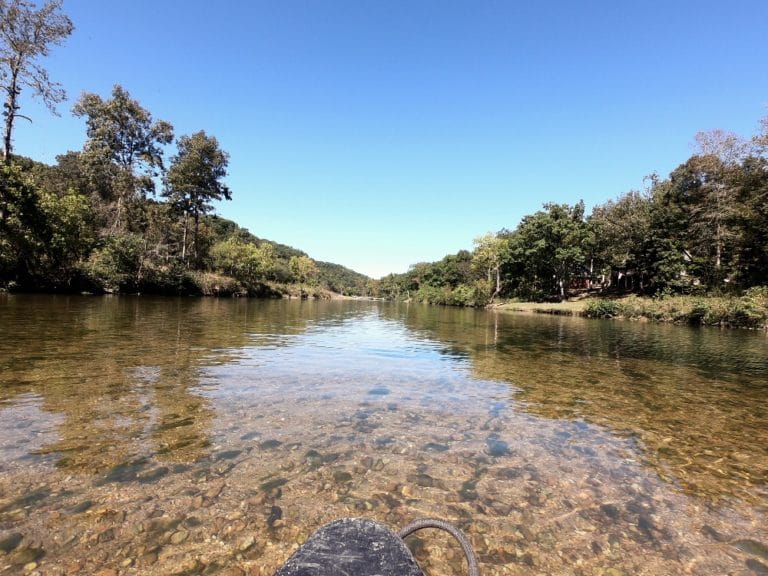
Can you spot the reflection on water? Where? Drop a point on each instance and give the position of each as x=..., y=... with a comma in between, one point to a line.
x=695, y=398
x=162, y=436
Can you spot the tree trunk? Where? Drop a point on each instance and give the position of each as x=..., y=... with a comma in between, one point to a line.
x=184, y=240
x=118, y=215
x=718, y=249
x=11, y=107
x=197, y=226
x=498, y=284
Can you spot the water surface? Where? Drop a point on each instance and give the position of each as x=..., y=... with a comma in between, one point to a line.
x=162, y=436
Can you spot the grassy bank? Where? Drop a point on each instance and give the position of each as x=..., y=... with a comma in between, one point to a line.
x=747, y=311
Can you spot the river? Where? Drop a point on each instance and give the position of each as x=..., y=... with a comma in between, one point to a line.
x=143, y=435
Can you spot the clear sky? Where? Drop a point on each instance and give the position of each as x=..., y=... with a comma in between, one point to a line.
x=381, y=133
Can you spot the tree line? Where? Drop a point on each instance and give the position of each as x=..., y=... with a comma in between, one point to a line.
x=117, y=215
x=703, y=229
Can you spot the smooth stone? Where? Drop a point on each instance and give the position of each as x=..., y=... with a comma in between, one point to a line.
x=496, y=446
x=274, y=483
x=11, y=542
x=26, y=556
x=610, y=510
x=269, y=444
x=342, y=476
x=313, y=458
x=712, y=533
x=179, y=536
x=275, y=515
x=752, y=547
x=246, y=544
x=757, y=567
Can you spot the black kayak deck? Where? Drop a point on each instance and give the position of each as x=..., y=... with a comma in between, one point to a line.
x=354, y=546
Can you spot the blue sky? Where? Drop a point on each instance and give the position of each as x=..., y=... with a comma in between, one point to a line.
x=378, y=134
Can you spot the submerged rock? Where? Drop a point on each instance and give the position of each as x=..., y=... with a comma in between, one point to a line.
x=274, y=483
x=342, y=477
x=10, y=542
x=496, y=447
x=757, y=567
x=425, y=481
x=270, y=444
x=275, y=515
x=752, y=547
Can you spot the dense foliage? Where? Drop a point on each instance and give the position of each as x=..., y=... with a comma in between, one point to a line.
x=703, y=229
x=112, y=217
x=94, y=222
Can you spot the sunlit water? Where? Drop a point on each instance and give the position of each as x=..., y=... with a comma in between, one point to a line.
x=164, y=436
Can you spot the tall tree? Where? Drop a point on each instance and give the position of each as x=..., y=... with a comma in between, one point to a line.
x=304, y=270
x=489, y=254
x=547, y=249
x=618, y=229
x=26, y=35
x=195, y=179
x=124, y=146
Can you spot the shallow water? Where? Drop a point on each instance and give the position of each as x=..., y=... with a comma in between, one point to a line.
x=163, y=436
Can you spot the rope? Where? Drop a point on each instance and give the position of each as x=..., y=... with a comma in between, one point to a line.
x=469, y=554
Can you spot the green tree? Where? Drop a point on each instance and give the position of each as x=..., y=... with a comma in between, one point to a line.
x=242, y=260
x=22, y=224
x=123, y=152
x=617, y=231
x=26, y=35
x=546, y=250
x=303, y=270
x=490, y=252
x=752, y=248
x=194, y=179
x=43, y=235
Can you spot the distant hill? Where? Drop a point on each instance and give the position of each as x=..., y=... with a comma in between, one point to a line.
x=333, y=277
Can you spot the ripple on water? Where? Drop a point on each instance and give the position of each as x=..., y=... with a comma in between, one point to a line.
x=222, y=434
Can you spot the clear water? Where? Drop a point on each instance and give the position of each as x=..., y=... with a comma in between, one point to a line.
x=183, y=436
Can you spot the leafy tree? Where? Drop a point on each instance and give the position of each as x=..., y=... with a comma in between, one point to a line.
x=342, y=280
x=546, y=250
x=195, y=179
x=22, y=224
x=118, y=264
x=752, y=249
x=244, y=261
x=123, y=152
x=70, y=236
x=43, y=235
x=304, y=270
x=490, y=252
x=26, y=35
x=617, y=231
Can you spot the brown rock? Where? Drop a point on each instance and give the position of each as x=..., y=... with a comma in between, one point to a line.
x=179, y=536
x=215, y=489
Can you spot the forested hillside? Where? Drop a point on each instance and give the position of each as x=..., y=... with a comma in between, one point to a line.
x=122, y=214
x=702, y=229
x=113, y=217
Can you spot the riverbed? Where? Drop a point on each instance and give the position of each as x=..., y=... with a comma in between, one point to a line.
x=143, y=435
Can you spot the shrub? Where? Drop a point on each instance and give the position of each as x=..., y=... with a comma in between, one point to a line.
x=603, y=309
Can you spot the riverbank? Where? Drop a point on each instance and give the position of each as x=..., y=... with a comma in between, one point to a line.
x=747, y=311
